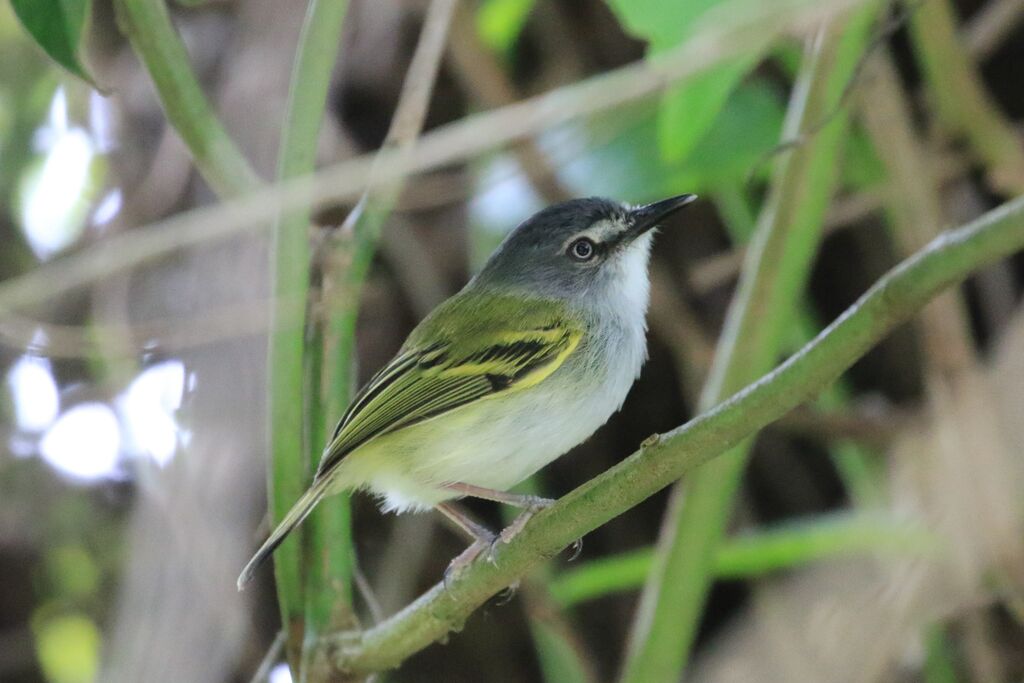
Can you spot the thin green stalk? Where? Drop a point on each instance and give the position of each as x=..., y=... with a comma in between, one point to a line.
x=776, y=269
x=853, y=461
x=939, y=664
x=560, y=652
x=154, y=38
x=663, y=459
x=350, y=250
x=755, y=554
x=340, y=268
x=857, y=464
x=961, y=101
x=318, y=599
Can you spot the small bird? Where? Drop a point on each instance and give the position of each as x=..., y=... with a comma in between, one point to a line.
x=527, y=361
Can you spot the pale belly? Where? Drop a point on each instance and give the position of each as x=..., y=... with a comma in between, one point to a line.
x=498, y=442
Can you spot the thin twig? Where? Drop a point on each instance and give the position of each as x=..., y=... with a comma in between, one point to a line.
x=994, y=23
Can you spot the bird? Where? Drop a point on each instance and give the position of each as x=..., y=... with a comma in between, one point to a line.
x=535, y=353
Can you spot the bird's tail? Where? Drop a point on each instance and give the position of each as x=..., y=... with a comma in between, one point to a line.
x=299, y=511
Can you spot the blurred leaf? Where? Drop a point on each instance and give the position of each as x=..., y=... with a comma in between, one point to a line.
x=72, y=571
x=861, y=166
x=688, y=111
x=663, y=23
x=558, y=660
x=68, y=648
x=938, y=662
x=741, y=135
x=57, y=26
x=499, y=22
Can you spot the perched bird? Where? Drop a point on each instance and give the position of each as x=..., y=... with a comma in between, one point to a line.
x=527, y=361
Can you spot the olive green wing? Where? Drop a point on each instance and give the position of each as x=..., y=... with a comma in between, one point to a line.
x=425, y=381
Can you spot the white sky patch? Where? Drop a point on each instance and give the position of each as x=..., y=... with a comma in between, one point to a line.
x=147, y=410
x=108, y=207
x=506, y=197
x=84, y=443
x=102, y=122
x=280, y=674
x=36, y=398
x=52, y=197
x=56, y=122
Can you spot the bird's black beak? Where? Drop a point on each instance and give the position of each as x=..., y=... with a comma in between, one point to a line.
x=649, y=215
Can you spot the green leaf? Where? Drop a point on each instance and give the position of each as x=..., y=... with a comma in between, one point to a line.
x=662, y=23
x=57, y=26
x=68, y=648
x=688, y=111
x=747, y=127
x=499, y=22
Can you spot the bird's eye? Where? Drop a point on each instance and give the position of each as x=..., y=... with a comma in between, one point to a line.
x=582, y=249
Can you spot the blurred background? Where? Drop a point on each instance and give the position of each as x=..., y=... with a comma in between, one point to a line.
x=877, y=533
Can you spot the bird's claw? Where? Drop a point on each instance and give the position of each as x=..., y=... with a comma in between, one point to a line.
x=506, y=595
x=466, y=558
x=518, y=524
x=575, y=549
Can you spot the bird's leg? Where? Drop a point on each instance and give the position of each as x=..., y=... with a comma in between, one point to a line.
x=530, y=505
x=482, y=538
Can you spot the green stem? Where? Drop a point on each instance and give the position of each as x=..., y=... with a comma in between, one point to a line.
x=751, y=555
x=560, y=652
x=939, y=666
x=664, y=459
x=319, y=600
x=154, y=38
x=961, y=101
x=776, y=269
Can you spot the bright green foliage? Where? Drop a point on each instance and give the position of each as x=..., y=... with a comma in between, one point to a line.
x=938, y=662
x=754, y=554
x=743, y=133
x=499, y=22
x=68, y=648
x=687, y=112
x=57, y=26
x=72, y=572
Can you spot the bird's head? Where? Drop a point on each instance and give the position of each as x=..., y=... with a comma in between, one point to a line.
x=584, y=250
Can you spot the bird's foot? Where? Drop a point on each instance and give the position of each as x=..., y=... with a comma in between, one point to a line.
x=532, y=505
x=458, y=565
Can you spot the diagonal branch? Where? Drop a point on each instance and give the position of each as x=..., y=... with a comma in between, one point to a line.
x=663, y=459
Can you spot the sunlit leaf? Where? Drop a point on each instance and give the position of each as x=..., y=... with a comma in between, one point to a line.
x=68, y=648
x=57, y=26
x=688, y=111
x=662, y=23
x=72, y=571
x=499, y=22
x=737, y=142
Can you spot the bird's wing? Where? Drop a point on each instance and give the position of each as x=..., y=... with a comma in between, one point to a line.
x=425, y=381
